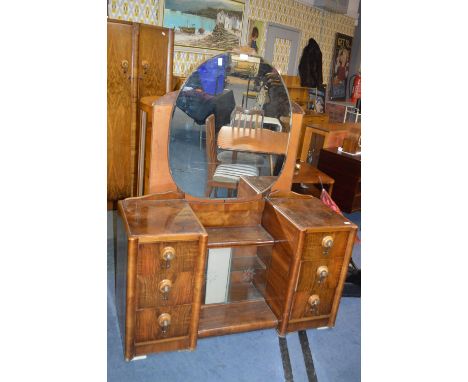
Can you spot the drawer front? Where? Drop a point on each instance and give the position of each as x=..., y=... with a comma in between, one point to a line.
x=310, y=272
x=150, y=289
x=314, y=245
x=149, y=329
x=150, y=261
x=302, y=309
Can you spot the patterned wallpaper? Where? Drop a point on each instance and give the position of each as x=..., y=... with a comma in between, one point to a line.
x=282, y=48
x=311, y=22
x=186, y=61
x=142, y=11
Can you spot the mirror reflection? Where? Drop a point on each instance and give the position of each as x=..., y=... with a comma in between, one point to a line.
x=231, y=123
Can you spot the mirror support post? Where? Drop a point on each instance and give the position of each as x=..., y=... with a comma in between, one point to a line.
x=284, y=181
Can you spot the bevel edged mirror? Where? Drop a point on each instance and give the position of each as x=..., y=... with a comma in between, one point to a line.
x=232, y=118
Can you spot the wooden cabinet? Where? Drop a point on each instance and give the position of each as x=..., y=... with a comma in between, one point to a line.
x=139, y=63
x=346, y=170
x=309, y=118
x=289, y=262
x=160, y=264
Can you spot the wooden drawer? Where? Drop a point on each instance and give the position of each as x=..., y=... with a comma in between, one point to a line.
x=149, y=294
x=148, y=329
x=308, y=276
x=150, y=261
x=302, y=309
x=313, y=249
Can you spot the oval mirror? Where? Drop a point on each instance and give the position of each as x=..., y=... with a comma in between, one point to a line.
x=231, y=119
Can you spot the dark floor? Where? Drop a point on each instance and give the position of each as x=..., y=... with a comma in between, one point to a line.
x=253, y=356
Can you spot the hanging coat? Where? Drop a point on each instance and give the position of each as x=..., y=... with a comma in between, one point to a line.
x=310, y=66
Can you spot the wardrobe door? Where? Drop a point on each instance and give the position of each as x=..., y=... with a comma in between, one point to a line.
x=119, y=110
x=155, y=51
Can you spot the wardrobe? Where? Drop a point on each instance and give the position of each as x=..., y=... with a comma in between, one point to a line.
x=139, y=64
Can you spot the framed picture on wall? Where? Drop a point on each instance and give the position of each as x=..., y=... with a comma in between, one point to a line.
x=256, y=35
x=317, y=99
x=207, y=24
x=340, y=67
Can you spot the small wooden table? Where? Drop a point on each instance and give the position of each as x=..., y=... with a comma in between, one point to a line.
x=310, y=175
x=333, y=135
x=261, y=141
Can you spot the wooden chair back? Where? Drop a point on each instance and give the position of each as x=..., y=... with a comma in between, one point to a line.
x=246, y=118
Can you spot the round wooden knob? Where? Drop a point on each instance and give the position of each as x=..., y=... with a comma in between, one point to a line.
x=168, y=254
x=165, y=286
x=314, y=300
x=327, y=242
x=322, y=272
x=164, y=320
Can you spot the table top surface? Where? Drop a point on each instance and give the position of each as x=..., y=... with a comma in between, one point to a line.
x=310, y=174
x=329, y=126
x=160, y=218
x=253, y=140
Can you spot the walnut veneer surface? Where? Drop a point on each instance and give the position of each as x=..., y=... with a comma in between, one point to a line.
x=139, y=64
x=288, y=254
x=280, y=237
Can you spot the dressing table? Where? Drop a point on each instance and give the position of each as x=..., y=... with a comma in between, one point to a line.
x=191, y=267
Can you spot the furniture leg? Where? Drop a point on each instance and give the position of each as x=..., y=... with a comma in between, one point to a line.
x=306, y=145
x=330, y=189
x=200, y=137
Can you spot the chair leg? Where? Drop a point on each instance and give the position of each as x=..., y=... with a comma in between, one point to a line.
x=201, y=136
x=271, y=165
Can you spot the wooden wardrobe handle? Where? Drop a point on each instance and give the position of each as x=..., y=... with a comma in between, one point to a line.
x=124, y=65
x=146, y=66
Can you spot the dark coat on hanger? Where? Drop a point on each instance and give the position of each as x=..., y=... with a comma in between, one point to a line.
x=310, y=66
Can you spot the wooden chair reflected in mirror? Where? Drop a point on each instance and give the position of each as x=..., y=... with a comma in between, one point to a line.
x=222, y=175
x=250, y=119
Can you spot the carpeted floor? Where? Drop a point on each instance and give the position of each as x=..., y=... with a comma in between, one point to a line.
x=253, y=356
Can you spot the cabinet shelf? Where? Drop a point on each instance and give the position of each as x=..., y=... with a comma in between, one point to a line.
x=220, y=319
x=219, y=237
